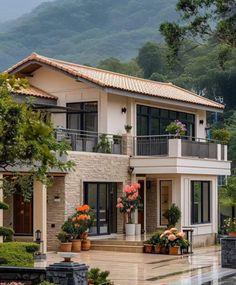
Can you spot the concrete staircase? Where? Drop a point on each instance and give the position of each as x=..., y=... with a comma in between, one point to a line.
x=117, y=245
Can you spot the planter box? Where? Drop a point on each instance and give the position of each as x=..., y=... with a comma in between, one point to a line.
x=228, y=252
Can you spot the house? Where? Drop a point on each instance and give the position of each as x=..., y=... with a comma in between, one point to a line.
x=85, y=102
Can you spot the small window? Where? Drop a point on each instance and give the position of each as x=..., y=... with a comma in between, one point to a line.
x=201, y=202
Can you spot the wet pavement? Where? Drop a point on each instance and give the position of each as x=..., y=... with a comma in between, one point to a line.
x=146, y=269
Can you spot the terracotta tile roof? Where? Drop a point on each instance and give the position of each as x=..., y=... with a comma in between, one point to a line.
x=118, y=81
x=35, y=92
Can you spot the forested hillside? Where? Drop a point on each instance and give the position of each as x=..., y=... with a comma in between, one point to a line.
x=85, y=31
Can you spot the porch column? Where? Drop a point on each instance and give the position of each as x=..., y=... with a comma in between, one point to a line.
x=40, y=212
x=1, y=211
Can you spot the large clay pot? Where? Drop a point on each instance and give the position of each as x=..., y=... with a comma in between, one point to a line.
x=76, y=245
x=174, y=250
x=157, y=248
x=65, y=247
x=84, y=235
x=148, y=248
x=232, y=234
x=130, y=229
x=85, y=244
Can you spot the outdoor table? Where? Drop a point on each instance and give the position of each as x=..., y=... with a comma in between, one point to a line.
x=189, y=236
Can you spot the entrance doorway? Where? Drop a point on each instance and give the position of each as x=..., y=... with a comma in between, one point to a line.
x=165, y=199
x=142, y=204
x=102, y=197
x=22, y=216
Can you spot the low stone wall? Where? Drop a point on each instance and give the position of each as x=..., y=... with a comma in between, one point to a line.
x=21, y=274
x=204, y=240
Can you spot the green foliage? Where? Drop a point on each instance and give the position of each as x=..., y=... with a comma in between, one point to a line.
x=155, y=238
x=98, y=277
x=16, y=254
x=104, y=145
x=26, y=140
x=7, y=233
x=221, y=135
x=4, y=206
x=85, y=31
x=64, y=236
x=46, y=283
x=172, y=215
x=213, y=20
x=227, y=193
x=69, y=229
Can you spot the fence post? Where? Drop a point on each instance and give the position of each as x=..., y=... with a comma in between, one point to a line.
x=175, y=147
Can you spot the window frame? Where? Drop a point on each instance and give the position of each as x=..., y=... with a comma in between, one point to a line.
x=202, y=204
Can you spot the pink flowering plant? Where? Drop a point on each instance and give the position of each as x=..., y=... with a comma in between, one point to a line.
x=173, y=237
x=128, y=202
x=230, y=225
x=176, y=128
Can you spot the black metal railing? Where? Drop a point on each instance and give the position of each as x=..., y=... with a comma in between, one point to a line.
x=90, y=141
x=151, y=145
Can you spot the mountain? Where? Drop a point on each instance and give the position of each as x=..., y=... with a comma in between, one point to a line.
x=85, y=31
x=12, y=9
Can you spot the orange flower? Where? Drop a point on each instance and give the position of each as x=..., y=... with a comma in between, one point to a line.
x=74, y=219
x=83, y=208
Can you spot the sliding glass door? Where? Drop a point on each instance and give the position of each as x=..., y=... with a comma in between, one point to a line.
x=102, y=198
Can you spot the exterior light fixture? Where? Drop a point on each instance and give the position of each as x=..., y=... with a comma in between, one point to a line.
x=38, y=235
x=201, y=122
x=57, y=199
x=123, y=110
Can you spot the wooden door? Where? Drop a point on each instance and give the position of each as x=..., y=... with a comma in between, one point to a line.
x=23, y=216
x=141, y=205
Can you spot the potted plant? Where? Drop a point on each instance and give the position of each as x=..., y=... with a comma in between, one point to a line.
x=128, y=128
x=69, y=228
x=104, y=145
x=172, y=215
x=127, y=203
x=156, y=241
x=230, y=226
x=176, y=128
x=148, y=246
x=65, y=240
x=82, y=220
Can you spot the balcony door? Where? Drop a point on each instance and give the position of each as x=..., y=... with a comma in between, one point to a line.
x=102, y=197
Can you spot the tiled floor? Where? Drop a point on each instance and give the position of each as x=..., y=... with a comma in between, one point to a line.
x=148, y=269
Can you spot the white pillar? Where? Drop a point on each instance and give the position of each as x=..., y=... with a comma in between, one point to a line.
x=175, y=147
x=40, y=212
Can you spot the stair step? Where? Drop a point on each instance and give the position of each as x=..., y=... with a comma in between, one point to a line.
x=117, y=242
x=119, y=248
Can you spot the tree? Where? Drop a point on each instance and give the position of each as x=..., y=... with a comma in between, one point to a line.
x=227, y=193
x=27, y=142
x=150, y=59
x=203, y=20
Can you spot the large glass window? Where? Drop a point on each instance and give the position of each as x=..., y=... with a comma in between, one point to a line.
x=84, y=116
x=201, y=202
x=153, y=121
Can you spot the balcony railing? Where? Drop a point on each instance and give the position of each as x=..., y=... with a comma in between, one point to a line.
x=182, y=147
x=90, y=141
x=163, y=145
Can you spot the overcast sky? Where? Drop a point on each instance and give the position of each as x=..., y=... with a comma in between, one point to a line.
x=12, y=9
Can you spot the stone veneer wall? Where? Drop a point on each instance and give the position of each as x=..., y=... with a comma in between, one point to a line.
x=94, y=167
x=55, y=211
x=151, y=207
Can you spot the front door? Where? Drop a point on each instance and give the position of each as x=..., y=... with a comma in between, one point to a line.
x=101, y=197
x=165, y=199
x=22, y=216
x=141, y=205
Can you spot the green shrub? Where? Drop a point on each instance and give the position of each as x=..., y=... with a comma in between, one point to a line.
x=4, y=206
x=6, y=233
x=172, y=215
x=17, y=254
x=46, y=283
x=32, y=247
x=98, y=277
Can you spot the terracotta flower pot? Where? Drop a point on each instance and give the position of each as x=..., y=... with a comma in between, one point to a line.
x=232, y=234
x=157, y=248
x=148, y=248
x=65, y=247
x=174, y=250
x=84, y=235
x=85, y=244
x=76, y=245
x=164, y=250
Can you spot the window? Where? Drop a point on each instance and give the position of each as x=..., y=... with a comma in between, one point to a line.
x=153, y=121
x=84, y=116
x=200, y=200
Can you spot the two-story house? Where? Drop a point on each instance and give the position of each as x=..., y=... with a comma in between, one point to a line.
x=85, y=102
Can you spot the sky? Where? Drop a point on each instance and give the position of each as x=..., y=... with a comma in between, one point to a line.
x=12, y=9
